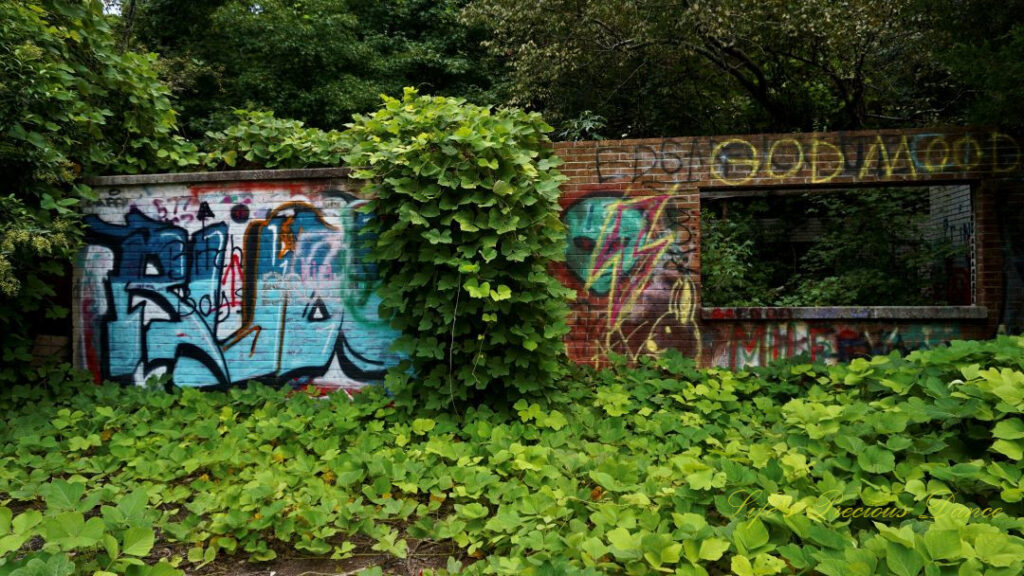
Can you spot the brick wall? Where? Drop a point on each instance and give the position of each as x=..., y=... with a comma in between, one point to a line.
x=216, y=283
x=657, y=304
x=222, y=278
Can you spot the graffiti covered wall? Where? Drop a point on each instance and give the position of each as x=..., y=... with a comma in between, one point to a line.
x=629, y=256
x=738, y=345
x=656, y=304
x=211, y=282
x=216, y=284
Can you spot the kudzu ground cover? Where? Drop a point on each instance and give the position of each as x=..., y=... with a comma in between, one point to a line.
x=893, y=465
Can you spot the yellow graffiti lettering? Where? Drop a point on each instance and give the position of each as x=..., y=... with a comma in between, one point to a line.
x=996, y=138
x=816, y=146
x=877, y=149
x=962, y=153
x=721, y=161
x=903, y=149
x=929, y=154
x=794, y=169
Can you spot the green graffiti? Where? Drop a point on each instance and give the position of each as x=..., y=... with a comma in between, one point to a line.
x=601, y=229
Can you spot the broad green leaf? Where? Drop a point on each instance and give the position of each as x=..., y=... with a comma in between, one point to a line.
x=472, y=511
x=749, y=535
x=111, y=547
x=942, y=544
x=63, y=495
x=904, y=535
x=594, y=547
x=5, y=520
x=999, y=550
x=741, y=566
x=133, y=507
x=502, y=293
x=713, y=548
x=624, y=545
x=138, y=541
x=876, y=460
x=1009, y=429
x=903, y=561
x=422, y=425
x=1013, y=449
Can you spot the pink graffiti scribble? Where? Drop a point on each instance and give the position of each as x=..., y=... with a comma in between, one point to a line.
x=614, y=253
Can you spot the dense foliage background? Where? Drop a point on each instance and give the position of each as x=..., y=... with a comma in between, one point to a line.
x=318, y=61
x=640, y=68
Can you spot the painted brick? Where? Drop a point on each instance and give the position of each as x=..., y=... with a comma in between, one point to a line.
x=218, y=281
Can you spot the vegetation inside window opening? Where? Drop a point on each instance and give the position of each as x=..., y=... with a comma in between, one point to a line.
x=865, y=247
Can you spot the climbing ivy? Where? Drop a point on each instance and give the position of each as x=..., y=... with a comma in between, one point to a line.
x=466, y=206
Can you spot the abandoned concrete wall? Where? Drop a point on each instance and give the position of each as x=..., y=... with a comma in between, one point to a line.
x=222, y=278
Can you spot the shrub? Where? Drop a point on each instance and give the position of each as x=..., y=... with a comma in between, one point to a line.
x=466, y=221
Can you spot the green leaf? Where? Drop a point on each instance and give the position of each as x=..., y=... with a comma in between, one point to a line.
x=110, y=546
x=594, y=547
x=877, y=460
x=624, y=544
x=554, y=420
x=63, y=495
x=713, y=548
x=1014, y=449
x=741, y=566
x=903, y=561
x=25, y=521
x=943, y=544
x=999, y=550
x=423, y=425
x=749, y=535
x=502, y=293
x=1009, y=429
x=59, y=565
x=477, y=290
x=472, y=511
x=133, y=507
x=138, y=541
x=502, y=188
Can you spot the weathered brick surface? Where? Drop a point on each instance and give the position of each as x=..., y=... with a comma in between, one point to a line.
x=218, y=281
x=224, y=282
x=988, y=161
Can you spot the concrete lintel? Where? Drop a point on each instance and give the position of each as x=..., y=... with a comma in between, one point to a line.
x=226, y=176
x=913, y=313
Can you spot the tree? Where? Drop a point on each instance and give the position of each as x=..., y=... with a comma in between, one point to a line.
x=981, y=45
x=71, y=104
x=655, y=68
x=318, y=61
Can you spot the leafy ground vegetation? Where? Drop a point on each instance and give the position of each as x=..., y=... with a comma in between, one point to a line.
x=900, y=466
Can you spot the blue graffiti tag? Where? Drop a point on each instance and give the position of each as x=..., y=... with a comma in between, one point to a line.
x=307, y=299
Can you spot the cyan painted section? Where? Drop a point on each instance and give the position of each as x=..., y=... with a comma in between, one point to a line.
x=220, y=284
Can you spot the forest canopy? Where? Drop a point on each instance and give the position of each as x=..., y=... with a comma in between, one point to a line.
x=597, y=68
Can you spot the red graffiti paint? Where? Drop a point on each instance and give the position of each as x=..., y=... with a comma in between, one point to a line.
x=92, y=356
x=295, y=188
